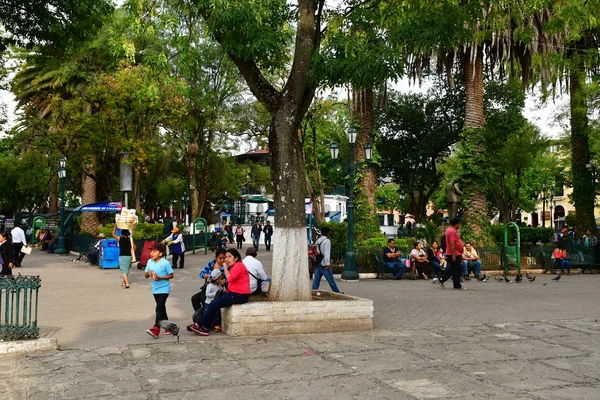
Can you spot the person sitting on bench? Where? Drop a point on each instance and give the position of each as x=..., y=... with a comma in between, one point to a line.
x=93, y=255
x=470, y=261
x=391, y=258
x=560, y=258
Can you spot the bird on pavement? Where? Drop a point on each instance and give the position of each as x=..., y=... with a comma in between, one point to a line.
x=532, y=279
x=527, y=275
x=506, y=279
x=172, y=326
x=519, y=278
x=557, y=278
x=545, y=283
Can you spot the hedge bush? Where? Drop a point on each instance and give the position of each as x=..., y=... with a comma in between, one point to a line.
x=142, y=231
x=528, y=234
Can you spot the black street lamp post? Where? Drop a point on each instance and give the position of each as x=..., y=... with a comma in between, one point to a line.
x=592, y=169
x=402, y=212
x=350, y=272
x=546, y=198
x=61, y=247
x=185, y=201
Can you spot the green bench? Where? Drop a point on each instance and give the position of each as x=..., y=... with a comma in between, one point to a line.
x=583, y=261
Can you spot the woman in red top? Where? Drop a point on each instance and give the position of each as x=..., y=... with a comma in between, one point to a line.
x=238, y=290
x=561, y=259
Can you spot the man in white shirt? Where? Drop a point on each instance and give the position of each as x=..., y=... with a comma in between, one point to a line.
x=256, y=271
x=18, y=241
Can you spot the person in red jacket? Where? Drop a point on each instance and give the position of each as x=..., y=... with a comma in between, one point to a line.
x=238, y=291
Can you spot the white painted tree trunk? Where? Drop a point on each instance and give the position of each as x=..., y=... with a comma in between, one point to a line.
x=290, y=266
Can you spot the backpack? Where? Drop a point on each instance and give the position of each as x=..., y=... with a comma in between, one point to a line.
x=314, y=253
x=200, y=311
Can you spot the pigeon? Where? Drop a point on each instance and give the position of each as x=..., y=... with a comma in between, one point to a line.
x=545, y=283
x=527, y=275
x=506, y=279
x=519, y=278
x=557, y=278
x=532, y=279
x=172, y=326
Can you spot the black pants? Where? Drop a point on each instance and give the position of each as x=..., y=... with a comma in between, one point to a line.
x=454, y=270
x=239, y=239
x=268, y=242
x=6, y=271
x=161, y=307
x=17, y=255
x=215, y=306
x=176, y=257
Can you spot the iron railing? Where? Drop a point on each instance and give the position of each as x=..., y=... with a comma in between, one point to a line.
x=19, y=307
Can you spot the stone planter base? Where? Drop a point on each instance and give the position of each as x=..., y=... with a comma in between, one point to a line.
x=328, y=312
x=28, y=346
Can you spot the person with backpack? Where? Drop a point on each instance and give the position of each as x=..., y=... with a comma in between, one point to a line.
x=259, y=283
x=214, y=289
x=217, y=263
x=238, y=291
x=323, y=267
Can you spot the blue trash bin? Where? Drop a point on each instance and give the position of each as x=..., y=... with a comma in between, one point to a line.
x=109, y=254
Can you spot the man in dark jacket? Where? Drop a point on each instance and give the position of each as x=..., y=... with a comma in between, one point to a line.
x=255, y=232
x=268, y=230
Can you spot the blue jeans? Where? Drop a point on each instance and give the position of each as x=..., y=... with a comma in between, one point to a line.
x=326, y=272
x=473, y=264
x=228, y=299
x=255, y=240
x=268, y=242
x=562, y=264
x=397, y=268
x=436, y=267
x=217, y=320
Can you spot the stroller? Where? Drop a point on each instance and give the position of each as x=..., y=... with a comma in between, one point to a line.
x=145, y=253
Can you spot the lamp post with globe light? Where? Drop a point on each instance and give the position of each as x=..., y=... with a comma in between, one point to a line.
x=350, y=272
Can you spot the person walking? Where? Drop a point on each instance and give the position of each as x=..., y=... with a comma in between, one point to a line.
x=161, y=272
x=175, y=240
x=126, y=246
x=239, y=236
x=18, y=241
x=6, y=253
x=324, y=267
x=255, y=232
x=454, y=250
x=268, y=231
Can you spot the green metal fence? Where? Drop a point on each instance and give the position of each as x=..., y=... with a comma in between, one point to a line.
x=19, y=307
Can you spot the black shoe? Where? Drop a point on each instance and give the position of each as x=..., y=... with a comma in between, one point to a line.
x=466, y=277
x=397, y=278
x=181, y=267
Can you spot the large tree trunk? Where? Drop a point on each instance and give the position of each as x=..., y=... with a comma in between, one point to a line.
x=191, y=167
x=53, y=197
x=366, y=221
x=476, y=215
x=583, y=198
x=317, y=197
x=290, y=260
x=89, y=221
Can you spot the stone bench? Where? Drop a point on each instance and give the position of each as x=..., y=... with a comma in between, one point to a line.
x=328, y=312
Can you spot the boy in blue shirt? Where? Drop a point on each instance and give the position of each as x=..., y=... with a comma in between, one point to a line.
x=161, y=272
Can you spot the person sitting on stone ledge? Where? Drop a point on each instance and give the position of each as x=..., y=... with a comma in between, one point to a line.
x=257, y=272
x=238, y=291
x=470, y=260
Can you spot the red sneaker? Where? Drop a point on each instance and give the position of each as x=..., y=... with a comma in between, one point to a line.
x=154, y=332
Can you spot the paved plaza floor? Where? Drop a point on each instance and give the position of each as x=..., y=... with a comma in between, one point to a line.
x=494, y=340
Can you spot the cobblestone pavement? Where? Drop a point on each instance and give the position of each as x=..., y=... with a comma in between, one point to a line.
x=494, y=340
x=541, y=360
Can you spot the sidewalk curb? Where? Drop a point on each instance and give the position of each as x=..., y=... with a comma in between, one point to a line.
x=28, y=346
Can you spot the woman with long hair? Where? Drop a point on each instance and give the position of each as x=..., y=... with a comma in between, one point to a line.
x=238, y=291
